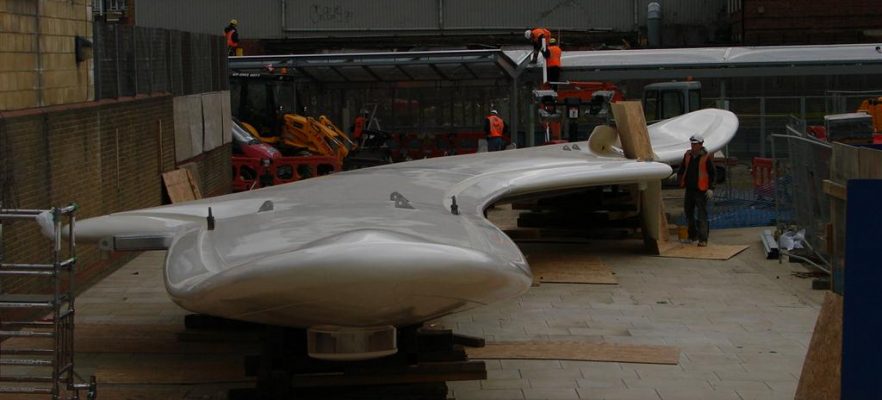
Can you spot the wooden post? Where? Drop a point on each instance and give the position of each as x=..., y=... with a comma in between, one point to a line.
x=634, y=136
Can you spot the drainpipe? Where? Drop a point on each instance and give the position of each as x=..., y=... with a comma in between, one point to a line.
x=39, y=55
x=441, y=15
x=284, y=16
x=653, y=24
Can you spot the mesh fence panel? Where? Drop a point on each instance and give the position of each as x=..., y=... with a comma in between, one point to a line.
x=137, y=60
x=801, y=168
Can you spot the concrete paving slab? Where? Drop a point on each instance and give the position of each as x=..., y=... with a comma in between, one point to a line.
x=742, y=325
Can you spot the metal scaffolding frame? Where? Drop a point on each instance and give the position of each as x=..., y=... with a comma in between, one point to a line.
x=62, y=382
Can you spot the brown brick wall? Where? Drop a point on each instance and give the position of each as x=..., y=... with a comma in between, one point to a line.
x=29, y=78
x=785, y=22
x=105, y=156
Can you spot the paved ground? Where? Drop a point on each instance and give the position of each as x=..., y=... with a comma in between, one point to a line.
x=743, y=326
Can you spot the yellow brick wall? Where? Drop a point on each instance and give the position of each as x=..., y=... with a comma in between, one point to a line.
x=37, y=54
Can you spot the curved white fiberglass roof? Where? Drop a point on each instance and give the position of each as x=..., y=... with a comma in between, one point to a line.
x=724, y=61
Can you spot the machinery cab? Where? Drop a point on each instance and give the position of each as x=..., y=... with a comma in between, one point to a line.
x=665, y=100
x=850, y=128
x=262, y=100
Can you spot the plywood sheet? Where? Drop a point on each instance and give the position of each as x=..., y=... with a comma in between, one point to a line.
x=711, y=252
x=212, y=116
x=566, y=263
x=194, y=118
x=572, y=270
x=183, y=143
x=870, y=163
x=227, y=116
x=181, y=186
x=822, y=368
x=578, y=351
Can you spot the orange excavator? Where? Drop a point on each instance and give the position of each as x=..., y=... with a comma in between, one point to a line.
x=301, y=135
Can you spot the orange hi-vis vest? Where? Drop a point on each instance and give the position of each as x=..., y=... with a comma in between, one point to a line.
x=496, y=125
x=539, y=32
x=229, y=35
x=359, y=127
x=703, y=181
x=554, y=56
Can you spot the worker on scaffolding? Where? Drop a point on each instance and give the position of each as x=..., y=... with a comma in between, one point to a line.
x=539, y=37
x=231, y=32
x=495, y=128
x=697, y=175
x=552, y=62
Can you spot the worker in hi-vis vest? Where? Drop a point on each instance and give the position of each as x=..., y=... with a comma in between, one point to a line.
x=231, y=32
x=540, y=38
x=552, y=62
x=495, y=128
x=697, y=175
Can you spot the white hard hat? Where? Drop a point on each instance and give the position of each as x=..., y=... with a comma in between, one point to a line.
x=696, y=139
x=528, y=34
x=494, y=112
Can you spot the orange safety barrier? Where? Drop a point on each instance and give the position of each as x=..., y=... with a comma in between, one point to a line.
x=246, y=171
x=291, y=169
x=249, y=173
x=761, y=169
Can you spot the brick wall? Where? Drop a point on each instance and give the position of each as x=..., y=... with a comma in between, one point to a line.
x=786, y=22
x=37, y=54
x=106, y=156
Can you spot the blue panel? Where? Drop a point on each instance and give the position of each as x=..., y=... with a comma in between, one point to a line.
x=862, y=319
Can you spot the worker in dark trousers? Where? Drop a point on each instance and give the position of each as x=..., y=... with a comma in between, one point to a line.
x=539, y=37
x=552, y=62
x=495, y=128
x=231, y=32
x=697, y=175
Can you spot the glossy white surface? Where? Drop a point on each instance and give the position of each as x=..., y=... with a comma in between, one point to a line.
x=719, y=56
x=336, y=250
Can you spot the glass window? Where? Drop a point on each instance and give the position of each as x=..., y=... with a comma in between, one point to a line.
x=650, y=105
x=694, y=100
x=672, y=104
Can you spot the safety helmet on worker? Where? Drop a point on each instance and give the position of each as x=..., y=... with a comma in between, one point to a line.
x=528, y=33
x=552, y=41
x=696, y=139
x=494, y=112
x=234, y=22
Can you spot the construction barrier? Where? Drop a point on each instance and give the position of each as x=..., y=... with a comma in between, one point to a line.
x=763, y=178
x=249, y=173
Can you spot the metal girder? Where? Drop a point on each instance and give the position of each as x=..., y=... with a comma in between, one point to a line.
x=403, y=72
x=439, y=72
x=342, y=75
x=371, y=73
x=470, y=71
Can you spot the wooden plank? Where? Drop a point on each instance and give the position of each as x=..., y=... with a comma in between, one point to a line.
x=869, y=163
x=172, y=369
x=180, y=186
x=418, y=373
x=821, y=370
x=710, y=252
x=631, y=124
x=578, y=351
x=834, y=189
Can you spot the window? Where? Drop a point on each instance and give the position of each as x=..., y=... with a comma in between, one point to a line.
x=672, y=104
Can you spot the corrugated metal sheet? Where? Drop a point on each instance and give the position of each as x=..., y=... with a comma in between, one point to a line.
x=360, y=15
x=258, y=19
x=264, y=19
x=521, y=14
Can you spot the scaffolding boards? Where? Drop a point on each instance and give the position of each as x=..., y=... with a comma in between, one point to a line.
x=43, y=363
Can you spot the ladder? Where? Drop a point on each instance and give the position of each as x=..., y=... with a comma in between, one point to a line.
x=45, y=365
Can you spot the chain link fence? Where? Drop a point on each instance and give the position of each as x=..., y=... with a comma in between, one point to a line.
x=136, y=60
